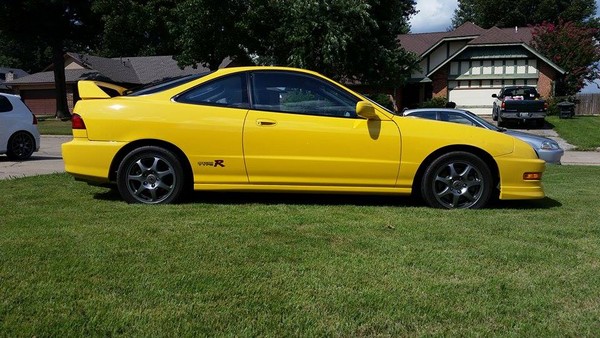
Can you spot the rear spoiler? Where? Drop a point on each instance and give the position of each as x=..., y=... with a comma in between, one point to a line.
x=98, y=90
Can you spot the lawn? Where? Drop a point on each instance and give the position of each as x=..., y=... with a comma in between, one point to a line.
x=580, y=131
x=77, y=261
x=52, y=126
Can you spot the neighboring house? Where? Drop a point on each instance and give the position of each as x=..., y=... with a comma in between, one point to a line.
x=469, y=64
x=38, y=90
x=9, y=74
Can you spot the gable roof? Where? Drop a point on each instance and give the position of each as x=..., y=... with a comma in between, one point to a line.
x=125, y=70
x=17, y=73
x=424, y=43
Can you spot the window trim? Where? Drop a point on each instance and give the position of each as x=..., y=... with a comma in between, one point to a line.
x=178, y=98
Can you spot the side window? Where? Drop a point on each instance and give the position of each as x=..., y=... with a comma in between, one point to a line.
x=458, y=118
x=5, y=104
x=430, y=115
x=300, y=94
x=227, y=91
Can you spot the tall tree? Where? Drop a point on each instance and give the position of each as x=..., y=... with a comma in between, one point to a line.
x=134, y=27
x=510, y=13
x=208, y=31
x=573, y=47
x=345, y=39
x=52, y=25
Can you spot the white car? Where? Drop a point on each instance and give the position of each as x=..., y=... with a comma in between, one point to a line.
x=19, y=136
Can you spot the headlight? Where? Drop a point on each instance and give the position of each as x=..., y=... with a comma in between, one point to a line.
x=548, y=145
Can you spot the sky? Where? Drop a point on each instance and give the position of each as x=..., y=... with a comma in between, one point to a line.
x=436, y=16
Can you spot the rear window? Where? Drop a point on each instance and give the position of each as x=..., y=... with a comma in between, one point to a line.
x=164, y=84
x=5, y=104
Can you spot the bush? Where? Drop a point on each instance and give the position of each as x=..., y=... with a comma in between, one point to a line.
x=436, y=102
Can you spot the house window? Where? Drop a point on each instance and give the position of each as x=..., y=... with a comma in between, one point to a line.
x=465, y=67
x=498, y=67
x=532, y=65
x=454, y=68
x=510, y=67
x=487, y=67
x=521, y=66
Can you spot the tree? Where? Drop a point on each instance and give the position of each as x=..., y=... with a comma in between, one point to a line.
x=352, y=40
x=52, y=25
x=510, y=13
x=134, y=27
x=573, y=47
x=208, y=31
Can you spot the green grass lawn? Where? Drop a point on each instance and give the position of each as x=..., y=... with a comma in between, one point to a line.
x=77, y=261
x=580, y=131
x=53, y=126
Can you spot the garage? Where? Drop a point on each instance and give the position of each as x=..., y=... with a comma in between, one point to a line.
x=40, y=101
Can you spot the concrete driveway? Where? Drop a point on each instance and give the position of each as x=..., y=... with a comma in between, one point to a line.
x=49, y=160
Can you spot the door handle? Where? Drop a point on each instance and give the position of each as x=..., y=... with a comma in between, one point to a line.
x=265, y=122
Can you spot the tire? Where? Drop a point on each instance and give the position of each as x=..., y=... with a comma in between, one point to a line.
x=494, y=115
x=20, y=146
x=150, y=175
x=539, y=123
x=501, y=122
x=457, y=180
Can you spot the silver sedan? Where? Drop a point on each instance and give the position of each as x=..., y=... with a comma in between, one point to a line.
x=547, y=149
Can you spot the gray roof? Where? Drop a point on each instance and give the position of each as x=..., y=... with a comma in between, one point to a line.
x=423, y=43
x=17, y=74
x=125, y=70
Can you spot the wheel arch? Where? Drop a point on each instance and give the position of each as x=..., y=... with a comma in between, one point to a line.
x=482, y=154
x=185, y=163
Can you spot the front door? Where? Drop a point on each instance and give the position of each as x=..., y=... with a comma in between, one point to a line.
x=303, y=130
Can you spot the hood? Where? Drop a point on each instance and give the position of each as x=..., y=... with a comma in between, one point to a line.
x=534, y=140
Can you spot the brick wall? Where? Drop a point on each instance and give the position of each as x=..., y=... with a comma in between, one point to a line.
x=440, y=82
x=547, y=75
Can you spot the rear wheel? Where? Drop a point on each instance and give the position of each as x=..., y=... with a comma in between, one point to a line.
x=150, y=175
x=20, y=146
x=457, y=180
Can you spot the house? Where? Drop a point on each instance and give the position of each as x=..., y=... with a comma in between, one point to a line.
x=9, y=74
x=38, y=90
x=469, y=64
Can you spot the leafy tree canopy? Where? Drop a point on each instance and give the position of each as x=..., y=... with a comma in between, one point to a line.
x=345, y=39
x=504, y=13
x=574, y=48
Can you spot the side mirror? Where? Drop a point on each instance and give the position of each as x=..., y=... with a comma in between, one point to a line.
x=366, y=110
x=494, y=95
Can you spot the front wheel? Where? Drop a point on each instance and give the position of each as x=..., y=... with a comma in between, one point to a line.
x=150, y=175
x=457, y=180
x=20, y=146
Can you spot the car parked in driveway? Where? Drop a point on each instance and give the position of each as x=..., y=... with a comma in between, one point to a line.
x=547, y=149
x=19, y=136
x=278, y=129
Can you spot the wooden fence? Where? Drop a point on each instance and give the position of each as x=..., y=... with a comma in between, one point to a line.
x=589, y=104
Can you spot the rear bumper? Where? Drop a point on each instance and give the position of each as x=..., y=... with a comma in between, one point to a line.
x=522, y=115
x=93, y=169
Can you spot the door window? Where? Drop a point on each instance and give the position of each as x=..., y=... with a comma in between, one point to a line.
x=300, y=94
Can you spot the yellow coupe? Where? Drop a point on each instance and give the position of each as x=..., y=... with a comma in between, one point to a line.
x=279, y=129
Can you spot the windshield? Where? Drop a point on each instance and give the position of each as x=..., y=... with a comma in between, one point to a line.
x=164, y=84
x=483, y=122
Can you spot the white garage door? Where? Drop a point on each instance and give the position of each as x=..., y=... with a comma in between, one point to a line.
x=479, y=100
x=476, y=95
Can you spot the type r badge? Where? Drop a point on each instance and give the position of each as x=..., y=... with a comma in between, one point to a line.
x=214, y=164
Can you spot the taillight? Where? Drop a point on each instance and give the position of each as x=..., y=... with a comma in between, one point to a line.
x=34, y=119
x=503, y=105
x=545, y=105
x=77, y=122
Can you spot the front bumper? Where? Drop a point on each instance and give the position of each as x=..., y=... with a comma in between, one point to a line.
x=512, y=184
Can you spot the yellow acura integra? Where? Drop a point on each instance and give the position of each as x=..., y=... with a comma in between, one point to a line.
x=284, y=130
